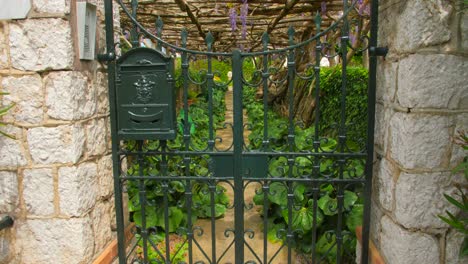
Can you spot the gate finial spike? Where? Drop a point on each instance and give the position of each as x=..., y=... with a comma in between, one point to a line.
x=265, y=39
x=209, y=40
x=184, y=34
x=159, y=26
x=318, y=20
x=134, y=7
x=291, y=32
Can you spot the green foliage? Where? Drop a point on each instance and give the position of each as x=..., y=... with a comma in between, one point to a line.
x=4, y=111
x=460, y=222
x=356, y=100
x=331, y=98
x=303, y=213
x=178, y=249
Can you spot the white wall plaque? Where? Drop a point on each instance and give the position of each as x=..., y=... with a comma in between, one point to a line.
x=86, y=23
x=14, y=9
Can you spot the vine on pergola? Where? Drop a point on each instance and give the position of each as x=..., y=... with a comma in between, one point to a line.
x=241, y=23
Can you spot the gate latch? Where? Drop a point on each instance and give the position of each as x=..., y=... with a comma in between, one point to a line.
x=106, y=57
x=378, y=51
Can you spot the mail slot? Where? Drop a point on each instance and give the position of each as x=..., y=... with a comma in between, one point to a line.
x=145, y=95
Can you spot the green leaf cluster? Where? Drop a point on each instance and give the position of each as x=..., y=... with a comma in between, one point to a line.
x=331, y=98
x=460, y=222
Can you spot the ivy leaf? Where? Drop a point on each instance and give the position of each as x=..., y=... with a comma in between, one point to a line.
x=303, y=219
x=354, y=218
x=329, y=205
x=326, y=247
x=258, y=198
x=152, y=218
x=178, y=186
x=272, y=234
x=299, y=192
x=329, y=145
x=175, y=218
x=220, y=210
x=279, y=194
x=349, y=199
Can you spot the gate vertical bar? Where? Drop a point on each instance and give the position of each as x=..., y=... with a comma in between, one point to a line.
x=370, y=130
x=238, y=144
x=108, y=10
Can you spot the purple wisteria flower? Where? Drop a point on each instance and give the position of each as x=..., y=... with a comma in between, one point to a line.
x=323, y=7
x=244, y=10
x=233, y=18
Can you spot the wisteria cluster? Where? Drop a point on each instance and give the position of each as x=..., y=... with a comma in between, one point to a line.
x=244, y=11
x=233, y=18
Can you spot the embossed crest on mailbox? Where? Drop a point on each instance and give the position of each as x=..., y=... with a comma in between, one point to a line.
x=145, y=95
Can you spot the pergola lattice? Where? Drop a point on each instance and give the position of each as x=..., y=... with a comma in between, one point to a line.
x=202, y=16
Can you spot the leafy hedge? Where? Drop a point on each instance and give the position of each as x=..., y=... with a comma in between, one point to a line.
x=356, y=101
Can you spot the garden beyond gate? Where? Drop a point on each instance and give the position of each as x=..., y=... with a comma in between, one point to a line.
x=308, y=183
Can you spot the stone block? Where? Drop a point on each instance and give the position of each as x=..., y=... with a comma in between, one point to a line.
x=375, y=225
x=96, y=137
x=421, y=24
x=386, y=81
x=108, y=134
x=69, y=96
x=106, y=180
x=27, y=95
x=419, y=199
x=38, y=191
x=101, y=217
x=44, y=241
x=11, y=151
x=464, y=30
x=60, y=144
x=389, y=10
x=385, y=181
x=383, y=115
x=404, y=247
x=101, y=91
x=52, y=6
x=8, y=191
x=420, y=141
x=3, y=46
x=78, y=188
x=6, y=246
x=453, y=244
x=433, y=81
x=35, y=47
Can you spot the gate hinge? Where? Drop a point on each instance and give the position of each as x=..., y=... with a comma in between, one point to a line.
x=106, y=56
x=378, y=51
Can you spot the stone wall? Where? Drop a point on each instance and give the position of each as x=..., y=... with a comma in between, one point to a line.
x=422, y=102
x=55, y=177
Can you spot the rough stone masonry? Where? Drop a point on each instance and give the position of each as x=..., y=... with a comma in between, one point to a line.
x=422, y=91
x=55, y=177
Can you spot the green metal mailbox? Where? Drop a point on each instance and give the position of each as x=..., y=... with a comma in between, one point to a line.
x=145, y=95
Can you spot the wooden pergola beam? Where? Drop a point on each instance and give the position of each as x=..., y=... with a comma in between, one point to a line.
x=185, y=8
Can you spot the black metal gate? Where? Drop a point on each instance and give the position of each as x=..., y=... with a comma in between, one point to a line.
x=184, y=177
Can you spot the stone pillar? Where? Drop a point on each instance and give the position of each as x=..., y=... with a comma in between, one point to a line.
x=55, y=177
x=422, y=102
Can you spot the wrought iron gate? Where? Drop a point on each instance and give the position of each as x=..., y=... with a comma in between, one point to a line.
x=181, y=187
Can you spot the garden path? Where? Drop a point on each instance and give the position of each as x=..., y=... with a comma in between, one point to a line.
x=252, y=219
